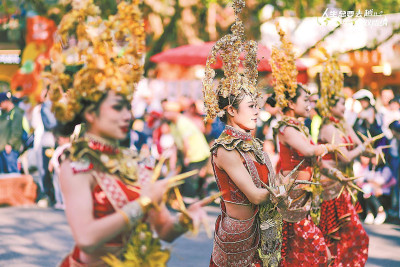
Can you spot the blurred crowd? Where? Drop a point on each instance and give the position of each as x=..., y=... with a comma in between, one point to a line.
x=173, y=128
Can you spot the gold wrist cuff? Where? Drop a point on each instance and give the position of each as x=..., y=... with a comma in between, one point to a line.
x=145, y=203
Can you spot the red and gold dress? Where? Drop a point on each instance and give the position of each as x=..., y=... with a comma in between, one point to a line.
x=102, y=206
x=116, y=172
x=303, y=243
x=340, y=224
x=237, y=242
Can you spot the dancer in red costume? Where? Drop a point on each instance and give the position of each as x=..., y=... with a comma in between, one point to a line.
x=303, y=243
x=340, y=224
x=110, y=206
x=248, y=232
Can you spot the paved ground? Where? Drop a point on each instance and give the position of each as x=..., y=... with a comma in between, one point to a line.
x=33, y=237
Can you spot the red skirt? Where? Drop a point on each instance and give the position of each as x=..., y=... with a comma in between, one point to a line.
x=303, y=244
x=343, y=232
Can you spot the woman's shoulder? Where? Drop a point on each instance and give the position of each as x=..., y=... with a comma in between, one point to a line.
x=76, y=167
x=225, y=157
x=68, y=160
x=327, y=129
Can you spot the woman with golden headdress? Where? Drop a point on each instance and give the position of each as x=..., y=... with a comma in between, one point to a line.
x=248, y=231
x=340, y=224
x=303, y=243
x=112, y=206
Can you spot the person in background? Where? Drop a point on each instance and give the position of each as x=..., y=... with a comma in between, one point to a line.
x=339, y=222
x=275, y=116
x=63, y=143
x=384, y=109
x=394, y=163
x=192, y=144
x=11, y=131
x=303, y=243
x=47, y=143
x=351, y=105
x=137, y=137
x=368, y=119
x=193, y=113
x=214, y=129
x=376, y=182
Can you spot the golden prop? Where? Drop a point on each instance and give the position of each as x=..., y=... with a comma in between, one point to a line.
x=204, y=202
x=208, y=200
x=348, y=185
x=157, y=170
x=337, y=150
x=381, y=154
x=181, y=176
x=374, y=139
x=187, y=218
x=286, y=188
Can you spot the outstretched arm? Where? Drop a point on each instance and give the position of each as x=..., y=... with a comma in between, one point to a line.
x=89, y=233
x=299, y=142
x=330, y=132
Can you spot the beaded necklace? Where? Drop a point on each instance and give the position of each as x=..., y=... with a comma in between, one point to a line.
x=232, y=138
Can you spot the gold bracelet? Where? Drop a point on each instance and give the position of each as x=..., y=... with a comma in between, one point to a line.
x=125, y=216
x=145, y=203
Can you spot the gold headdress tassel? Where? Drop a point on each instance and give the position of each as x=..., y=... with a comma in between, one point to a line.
x=229, y=47
x=284, y=69
x=331, y=84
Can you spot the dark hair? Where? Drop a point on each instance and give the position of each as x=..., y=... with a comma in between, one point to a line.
x=66, y=129
x=395, y=126
x=232, y=100
x=395, y=99
x=272, y=99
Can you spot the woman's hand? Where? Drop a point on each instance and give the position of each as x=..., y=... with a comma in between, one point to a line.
x=197, y=213
x=155, y=191
x=198, y=216
x=280, y=196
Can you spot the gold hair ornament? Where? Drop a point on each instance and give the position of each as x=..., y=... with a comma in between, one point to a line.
x=284, y=71
x=107, y=56
x=331, y=84
x=229, y=47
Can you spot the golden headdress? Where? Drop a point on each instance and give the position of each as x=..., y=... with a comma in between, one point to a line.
x=284, y=69
x=229, y=47
x=107, y=56
x=331, y=84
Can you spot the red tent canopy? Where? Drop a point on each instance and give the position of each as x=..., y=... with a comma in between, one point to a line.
x=197, y=54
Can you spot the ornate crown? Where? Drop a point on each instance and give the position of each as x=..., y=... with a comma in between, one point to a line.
x=284, y=71
x=229, y=47
x=331, y=84
x=107, y=56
